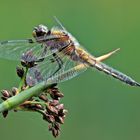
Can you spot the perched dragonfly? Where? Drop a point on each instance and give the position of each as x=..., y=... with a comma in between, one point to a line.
x=53, y=52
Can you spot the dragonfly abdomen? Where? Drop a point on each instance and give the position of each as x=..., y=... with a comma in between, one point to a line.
x=116, y=74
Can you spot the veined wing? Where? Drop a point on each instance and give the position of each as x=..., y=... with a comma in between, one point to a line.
x=68, y=74
x=60, y=28
x=14, y=49
x=48, y=69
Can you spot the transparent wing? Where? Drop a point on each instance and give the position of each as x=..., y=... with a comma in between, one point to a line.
x=49, y=68
x=59, y=24
x=14, y=49
x=60, y=28
x=68, y=74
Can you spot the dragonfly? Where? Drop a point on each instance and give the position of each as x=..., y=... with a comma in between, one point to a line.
x=52, y=52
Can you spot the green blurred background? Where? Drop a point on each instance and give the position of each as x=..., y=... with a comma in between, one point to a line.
x=100, y=107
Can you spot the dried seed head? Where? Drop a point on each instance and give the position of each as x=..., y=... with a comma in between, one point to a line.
x=6, y=93
x=52, y=110
x=24, y=87
x=28, y=59
x=5, y=113
x=4, y=98
x=38, y=106
x=14, y=91
x=49, y=118
x=54, y=103
x=52, y=90
x=55, y=132
x=65, y=111
x=59, y=119
x=59, y=94
x=55, y=129
x=56, y=126
x=20, y=71
x=43, y=97
x=60, y=106
x=62, y=112
x=49, y=107
x=28, y=64
x=55, y=94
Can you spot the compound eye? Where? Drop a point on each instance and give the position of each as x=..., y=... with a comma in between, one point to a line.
x=40, y=31
x=40, y=34
x=42, y=28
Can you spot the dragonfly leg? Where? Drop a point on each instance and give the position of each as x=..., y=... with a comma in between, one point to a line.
x=30, y=40
x=58, y=59
x=43, y=53
x=59, y=62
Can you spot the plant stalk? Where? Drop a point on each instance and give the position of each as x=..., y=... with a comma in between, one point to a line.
x=20, y=98
x=23, y=96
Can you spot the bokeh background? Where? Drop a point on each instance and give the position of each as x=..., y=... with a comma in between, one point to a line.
x=100, y=107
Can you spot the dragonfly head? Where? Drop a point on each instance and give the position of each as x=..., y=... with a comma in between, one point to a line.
x=40, y=31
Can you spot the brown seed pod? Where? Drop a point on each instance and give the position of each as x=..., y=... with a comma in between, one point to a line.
x=20, y=71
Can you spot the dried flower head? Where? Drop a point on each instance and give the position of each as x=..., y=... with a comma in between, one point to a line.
x=28, y=59
x=47, y=103
x=55, y=93
x=20, y=71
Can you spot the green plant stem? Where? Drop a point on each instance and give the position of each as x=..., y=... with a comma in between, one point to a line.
x=36, y=102
x=23, y=96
